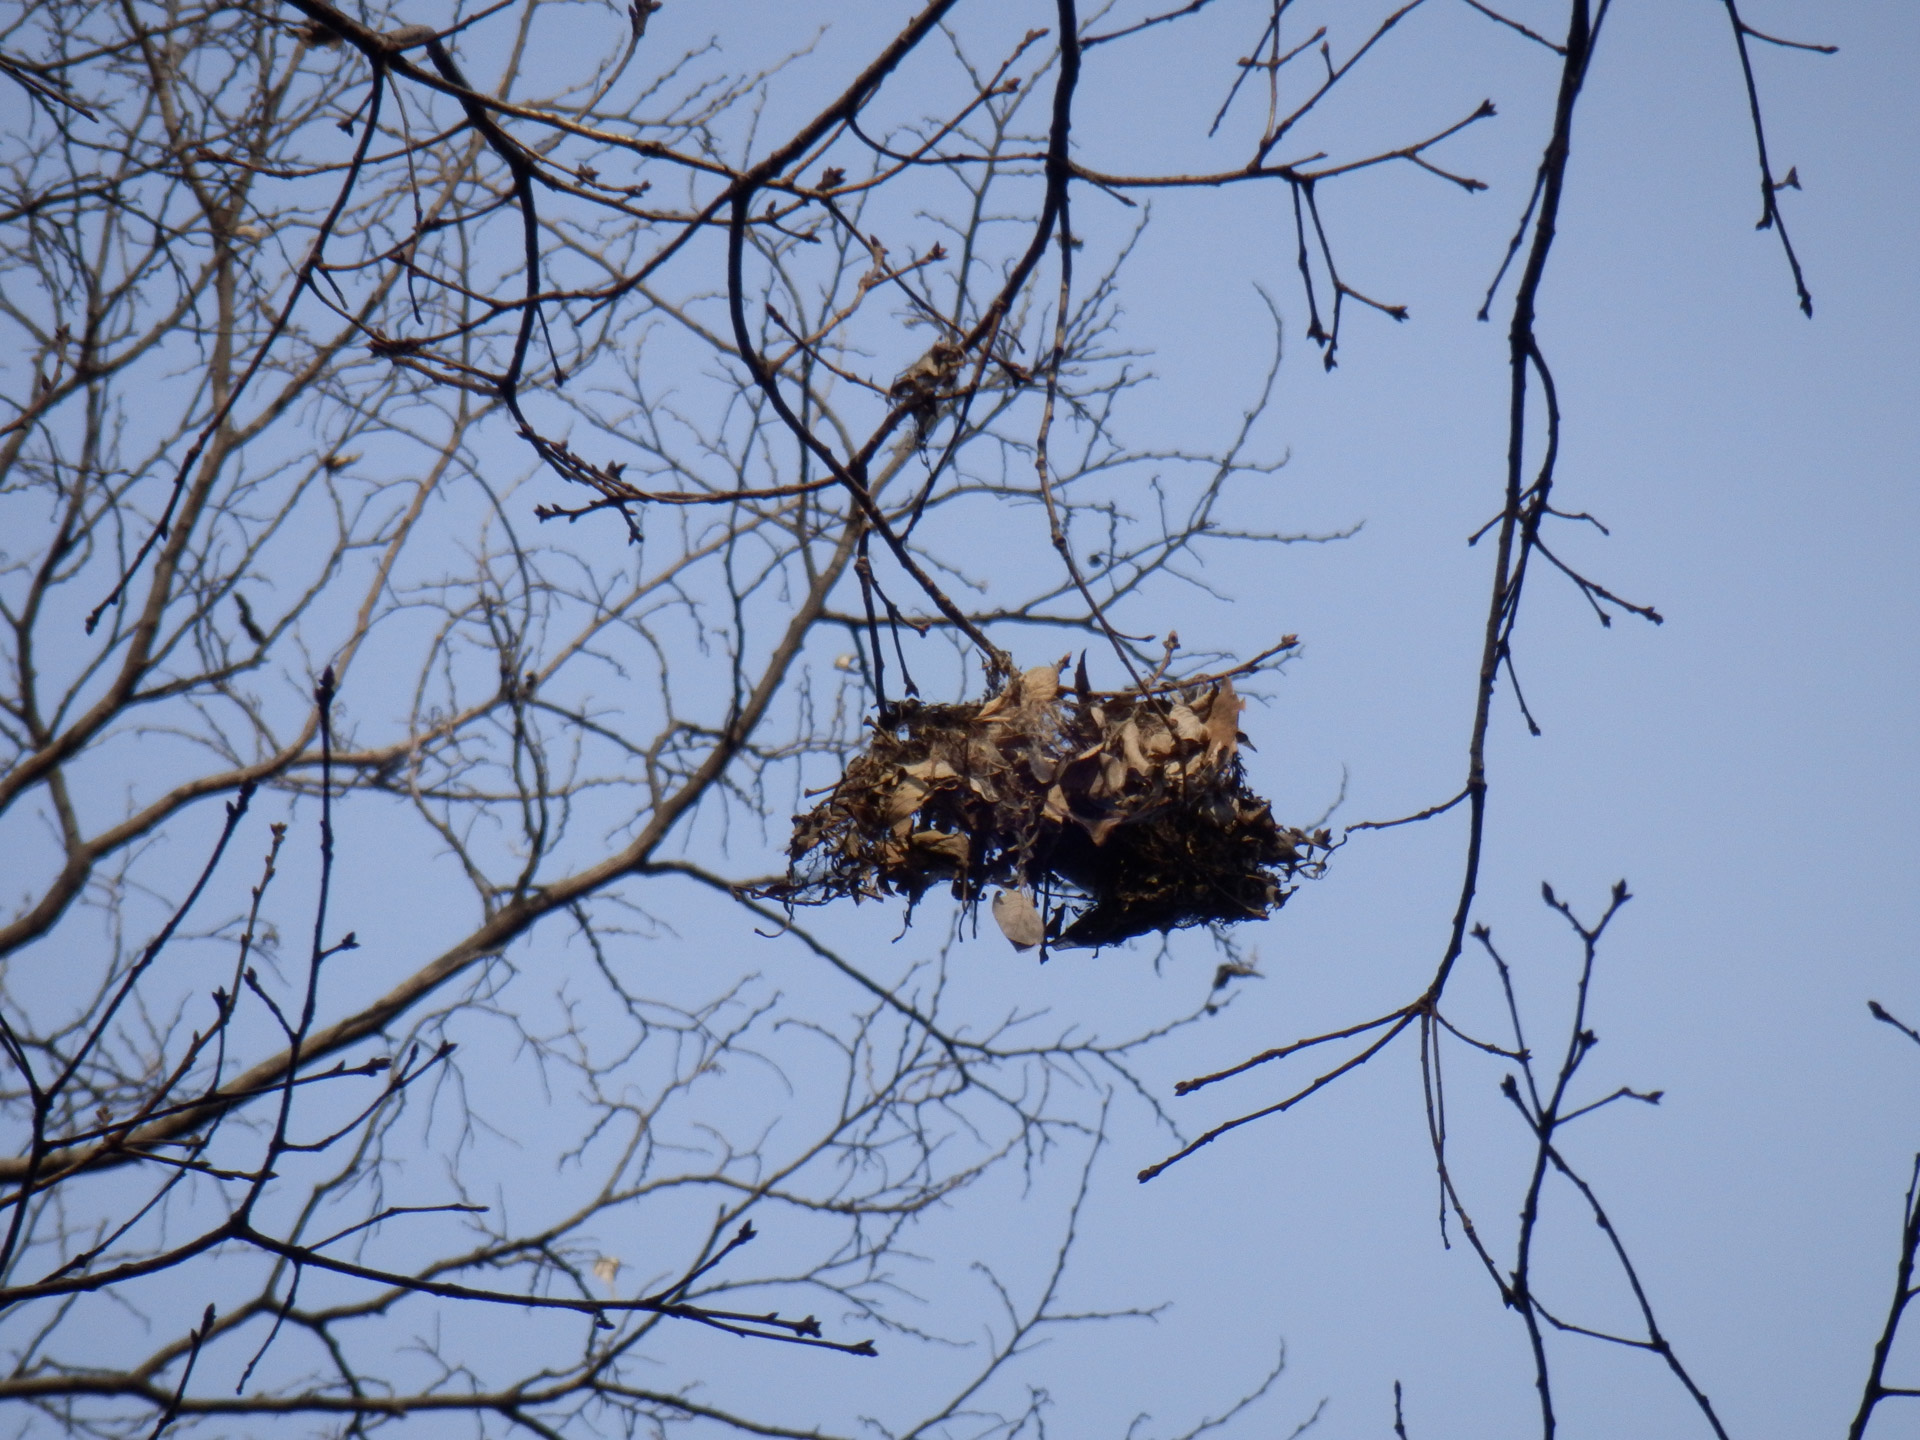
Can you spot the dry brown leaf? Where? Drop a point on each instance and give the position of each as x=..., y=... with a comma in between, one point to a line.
x=1130, y=745
x=1040, y=685
x=906, y=797
x=1018, y=919
x=1186, y=724
x=940, y=842
x=1223, y=723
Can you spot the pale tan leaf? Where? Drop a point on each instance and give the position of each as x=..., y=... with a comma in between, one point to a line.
x=1040, y=685
x=1186, y=724
x=907, y=796
x=946, y=846
x=1223, y=723
x=1018, y=919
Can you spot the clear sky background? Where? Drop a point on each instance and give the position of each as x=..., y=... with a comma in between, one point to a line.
x=1749, y=767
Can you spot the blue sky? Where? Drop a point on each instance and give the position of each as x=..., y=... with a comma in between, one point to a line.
x=1749, y=766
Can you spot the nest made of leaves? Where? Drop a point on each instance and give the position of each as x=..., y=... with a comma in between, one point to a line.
x=1118, y=813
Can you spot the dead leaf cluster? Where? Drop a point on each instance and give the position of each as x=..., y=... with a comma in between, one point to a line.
x=1100, y=816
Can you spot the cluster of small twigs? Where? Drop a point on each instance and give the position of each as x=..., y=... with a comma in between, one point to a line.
x=1905, y=1288
x=1547, y=1107
x=172, y=1125
x=1123, y=813
x=465, y=252
x=810, y=196
x=289, y=285
x=1520, y=531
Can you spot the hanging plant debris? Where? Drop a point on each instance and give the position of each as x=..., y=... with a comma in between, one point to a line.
x=1098, y=816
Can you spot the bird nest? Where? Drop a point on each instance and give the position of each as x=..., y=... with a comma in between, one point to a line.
x=1098, y=816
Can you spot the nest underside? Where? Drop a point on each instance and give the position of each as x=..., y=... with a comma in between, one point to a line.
x=1119, y=814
